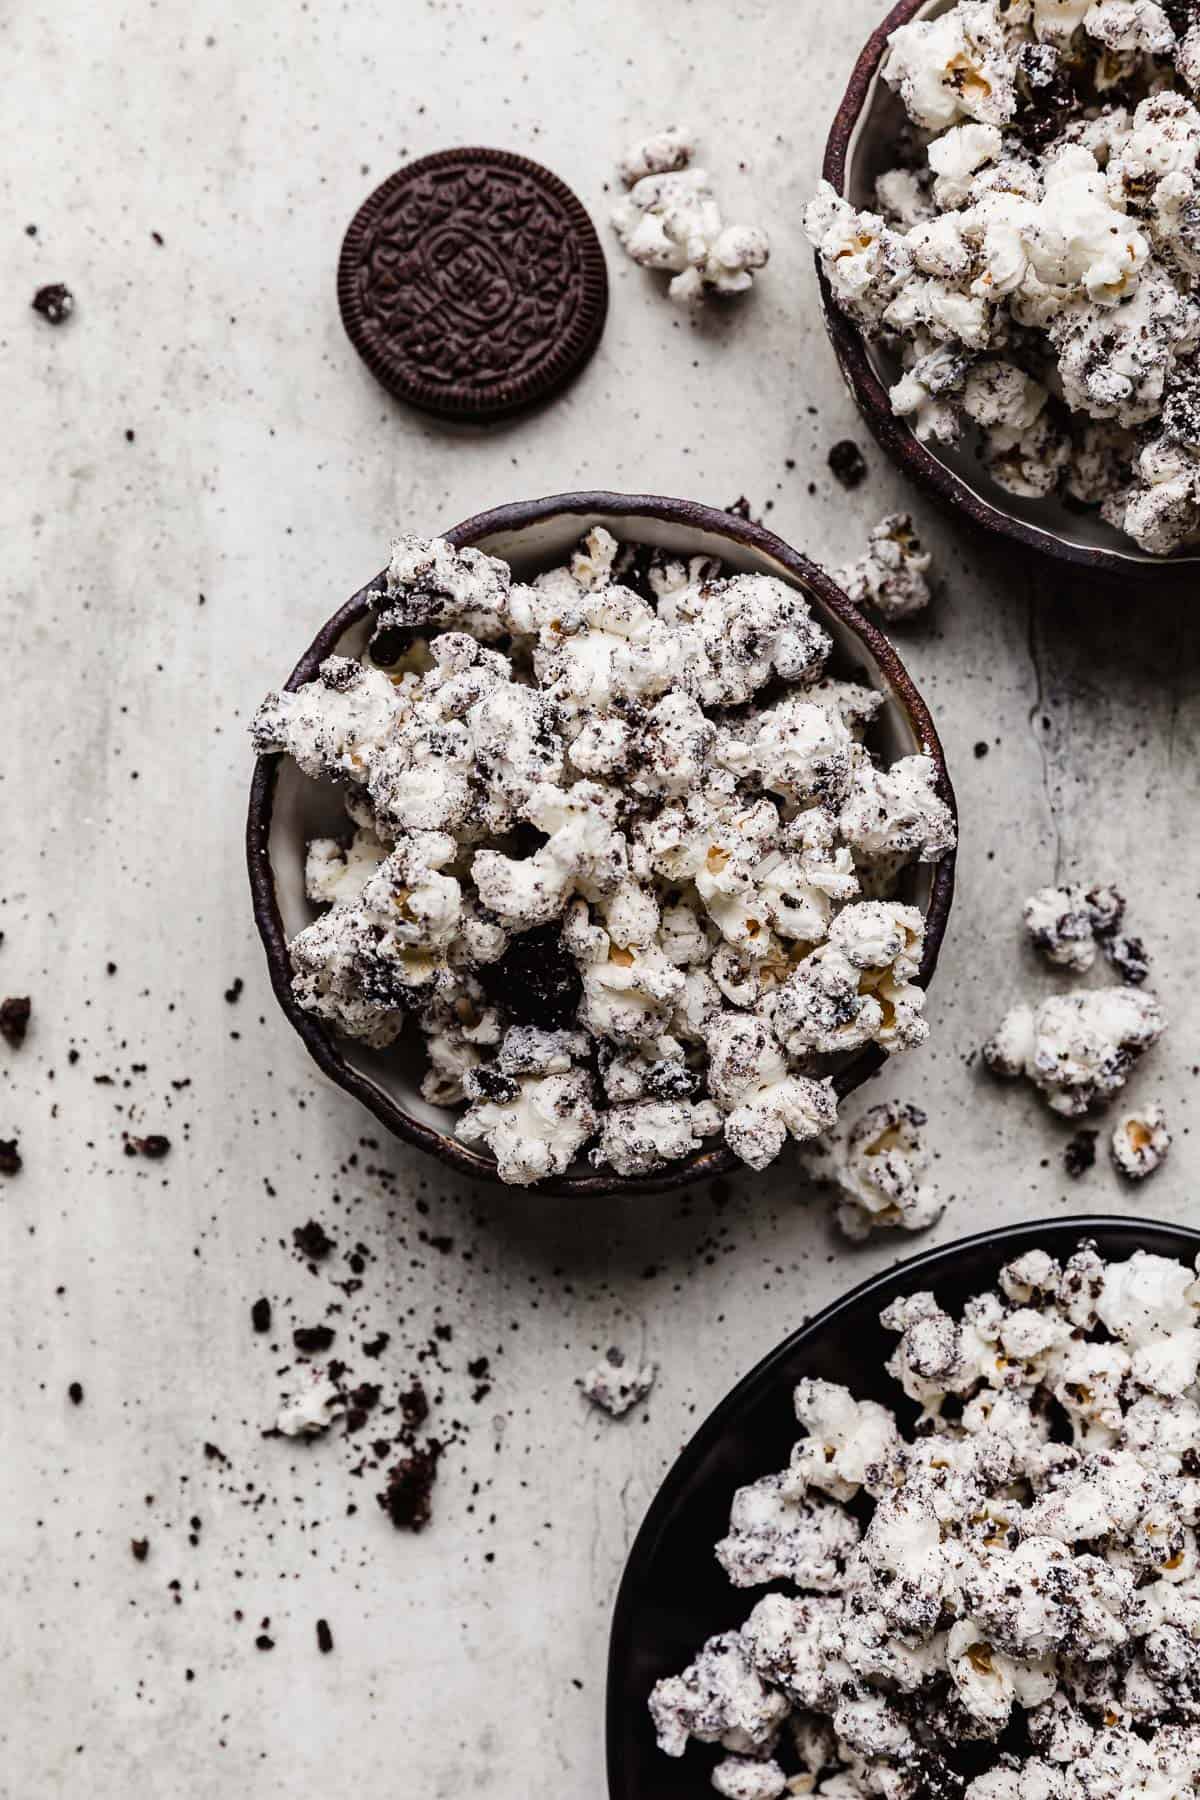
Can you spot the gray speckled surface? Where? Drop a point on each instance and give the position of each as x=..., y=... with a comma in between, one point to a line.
x=265, y=474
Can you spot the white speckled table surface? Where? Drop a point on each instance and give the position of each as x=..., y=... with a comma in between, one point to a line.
x=197, y=469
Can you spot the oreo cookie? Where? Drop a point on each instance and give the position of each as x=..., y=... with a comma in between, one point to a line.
x=472, y=284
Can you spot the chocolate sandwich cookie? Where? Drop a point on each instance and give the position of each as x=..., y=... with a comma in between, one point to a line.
x=472, y=283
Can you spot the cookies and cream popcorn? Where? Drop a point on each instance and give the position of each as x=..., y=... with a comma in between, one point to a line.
x=669, y=219
x=1078, y=1049
x=893, y=575
x=997, y=1602
x=617, y=848
x=1140, y=1142
x=878, y=1168
x=616, y=1386
x=1066, y=924
x=1033, y=265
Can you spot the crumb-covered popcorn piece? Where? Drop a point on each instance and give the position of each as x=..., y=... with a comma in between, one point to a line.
x=330, y=726
x=670, y=220
x=1140, y=1142
x=897, y=812
x=312, y=1410
x=879, y=1166
x=1066, y=923
x=739, y=1778
x=1035, y=262
x=719, y=1699
x=659, y=154
x=1077, y=1049
x=615, y=1386
x=893, y=575
x=778, y=1534
x=610, y=832
x=534, y=1125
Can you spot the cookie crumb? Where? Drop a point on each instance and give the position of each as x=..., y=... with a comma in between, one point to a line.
x=10, y=1157
x=75, y=1393
x=260, y=1315
x=14, y=1019
x=313, y=1241
x=55, y=302
x=847, y=463
x=1080, y=1154
x=310, y=1340
x=140, y=1548
x=324, y=1637
x=408, y=1497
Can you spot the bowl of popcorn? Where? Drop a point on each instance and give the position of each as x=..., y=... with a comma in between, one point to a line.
x=1008, y=245
x=601, y=844
x=939, y=1545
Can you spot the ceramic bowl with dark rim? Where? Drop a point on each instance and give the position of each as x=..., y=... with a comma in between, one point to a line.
x=287, y=809
x=674, y=1594
x=861, y=146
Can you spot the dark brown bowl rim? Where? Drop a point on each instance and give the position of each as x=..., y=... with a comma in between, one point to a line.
x=517, y=516
x=894, y=437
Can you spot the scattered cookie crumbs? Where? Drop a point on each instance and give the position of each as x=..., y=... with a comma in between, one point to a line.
x=614, y=1388
x=1080, y=1154
x=1141, y=1142
x=263, y=1642
x=233, y=992
x=10, y=1157
x=260, y=1315
x=408, y=1497
x=313, y=1241
x=55, y=302
x=14, y=1019
x=324, y=1637
x=847, y=463
x=140, y=1548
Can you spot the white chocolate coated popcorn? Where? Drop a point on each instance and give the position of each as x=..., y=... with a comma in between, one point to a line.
x=1140, y=1142
x=893, y=575
x=1077, y=1049
x=1035, y=261
x=879, y=1166
x=1011, y=1608
x=613, y=829
x=616, y=1387
x=670, y=220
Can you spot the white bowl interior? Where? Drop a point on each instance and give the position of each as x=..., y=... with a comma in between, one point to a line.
x=306, y=809
x=872, y=150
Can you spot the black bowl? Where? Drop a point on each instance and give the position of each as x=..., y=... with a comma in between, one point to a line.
x=674, y=1595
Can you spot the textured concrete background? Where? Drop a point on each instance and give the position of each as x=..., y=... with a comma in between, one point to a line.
x=195, y=471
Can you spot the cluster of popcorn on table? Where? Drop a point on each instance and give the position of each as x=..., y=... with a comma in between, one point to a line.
x=1000, y=1604
x=644, y=759
x=1080, y=1048
x=669, y=219
x=1033, y=259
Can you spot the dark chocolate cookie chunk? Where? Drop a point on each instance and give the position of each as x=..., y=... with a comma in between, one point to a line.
x=55, y=302
x=472, y=283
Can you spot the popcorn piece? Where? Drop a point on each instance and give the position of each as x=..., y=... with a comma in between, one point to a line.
x=534, y=1126
x=762, y=1103
x=313, y=1410
x=335, y=874
x=719, y=1699
x=1077, y=1049
x=898, y=812
x=774, y=1536
x=1140, y=1142
x=893, y=575
x=614, y=1388
x=879, y=1168
x=1065, y=923
x=664, y=151
x=331, y=726
x=958, y=65
x=670, y=220
x=737, y=1778
x=430, y=583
